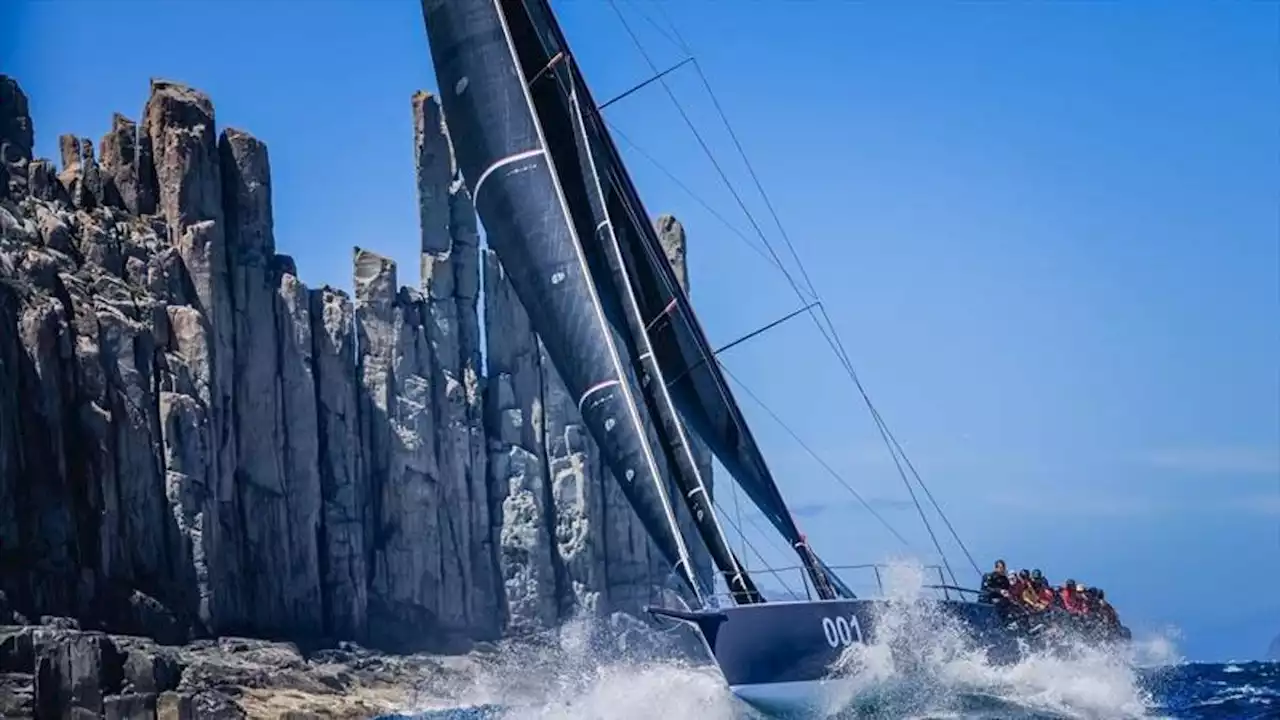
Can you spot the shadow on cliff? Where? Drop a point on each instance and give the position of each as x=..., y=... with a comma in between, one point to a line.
x=194, y=443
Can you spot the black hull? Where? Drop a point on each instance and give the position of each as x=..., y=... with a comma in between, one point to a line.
x=779, y=656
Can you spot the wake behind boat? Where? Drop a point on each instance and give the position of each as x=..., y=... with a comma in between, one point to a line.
x=562, y=213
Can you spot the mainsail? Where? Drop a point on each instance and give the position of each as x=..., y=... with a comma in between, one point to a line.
x=564, y=216
x=504, y=155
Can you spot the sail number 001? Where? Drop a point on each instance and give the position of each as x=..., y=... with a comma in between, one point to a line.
x=842, y=631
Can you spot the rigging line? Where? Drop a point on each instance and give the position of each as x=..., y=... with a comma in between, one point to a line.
x=777, y=546
x=679, y=43
x=764, y=561
x=737, y=507
x=830, y=470
x=644, y=84
x=766, y=328
x=813, y=291
x=915, y=501
x=889, y=440
x=934, y=502
x=834, y=339
x=894, y=447
x=705, y=148
x=674, y=29
x=688, y=191
x=703, y=360
x=755, y=178
x=772, y=539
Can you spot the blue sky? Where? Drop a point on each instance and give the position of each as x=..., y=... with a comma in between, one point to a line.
x=1047, y=233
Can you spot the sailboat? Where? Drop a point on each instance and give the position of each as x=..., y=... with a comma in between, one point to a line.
x=562, y=213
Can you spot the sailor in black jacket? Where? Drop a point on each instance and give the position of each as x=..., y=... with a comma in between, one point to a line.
x=995, y=584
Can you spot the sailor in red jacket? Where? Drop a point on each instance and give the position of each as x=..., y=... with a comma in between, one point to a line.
x=1071, y=602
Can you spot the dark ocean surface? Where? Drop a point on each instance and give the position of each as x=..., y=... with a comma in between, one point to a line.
x=1238, y=691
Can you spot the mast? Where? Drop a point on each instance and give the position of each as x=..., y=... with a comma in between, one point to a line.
x=680, y=346
x=674, y=440
x=484, y=66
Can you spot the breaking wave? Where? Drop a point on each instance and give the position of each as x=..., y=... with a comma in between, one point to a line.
x=920, y=665
x=921, y=662
x=593, y=669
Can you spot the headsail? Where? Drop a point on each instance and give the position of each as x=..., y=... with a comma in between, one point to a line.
x=536, y=222
x=697, y=385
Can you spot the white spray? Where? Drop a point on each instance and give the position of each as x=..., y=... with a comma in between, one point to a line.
x=919, y=663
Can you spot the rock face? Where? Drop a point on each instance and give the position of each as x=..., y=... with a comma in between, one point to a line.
x=53, y=672
x=193, y=443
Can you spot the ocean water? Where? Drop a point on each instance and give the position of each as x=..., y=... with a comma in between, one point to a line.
x=920, y=665
x=1238, y=691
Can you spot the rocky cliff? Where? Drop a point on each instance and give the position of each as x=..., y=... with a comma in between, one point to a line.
x=193, y=442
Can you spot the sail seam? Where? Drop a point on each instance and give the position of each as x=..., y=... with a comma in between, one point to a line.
x=681, y=549
x=594, y=389
x=504, y=161
x=644, y=339
x=665, y=312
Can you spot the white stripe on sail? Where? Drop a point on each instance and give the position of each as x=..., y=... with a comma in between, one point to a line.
x=594, y=389
x=503, y=162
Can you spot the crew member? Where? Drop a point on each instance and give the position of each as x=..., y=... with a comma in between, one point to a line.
x=1068, y=598
x=995, y=584
x=1107, y=610
x=1044, y=594
x=1029, y=594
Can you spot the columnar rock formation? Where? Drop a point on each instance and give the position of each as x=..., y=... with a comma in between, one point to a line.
x=193, y=442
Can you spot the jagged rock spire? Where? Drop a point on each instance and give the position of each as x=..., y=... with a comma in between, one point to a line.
x=211, y=447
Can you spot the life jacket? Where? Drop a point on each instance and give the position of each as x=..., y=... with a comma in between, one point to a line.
x=1045, y=596
x=1029, y=597
x=1070, y=602
x=1019, y=586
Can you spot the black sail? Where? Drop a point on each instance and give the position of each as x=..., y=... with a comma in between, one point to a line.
x=609, y=221
x=536, y=215
x=697, y=385
x=673, y=439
